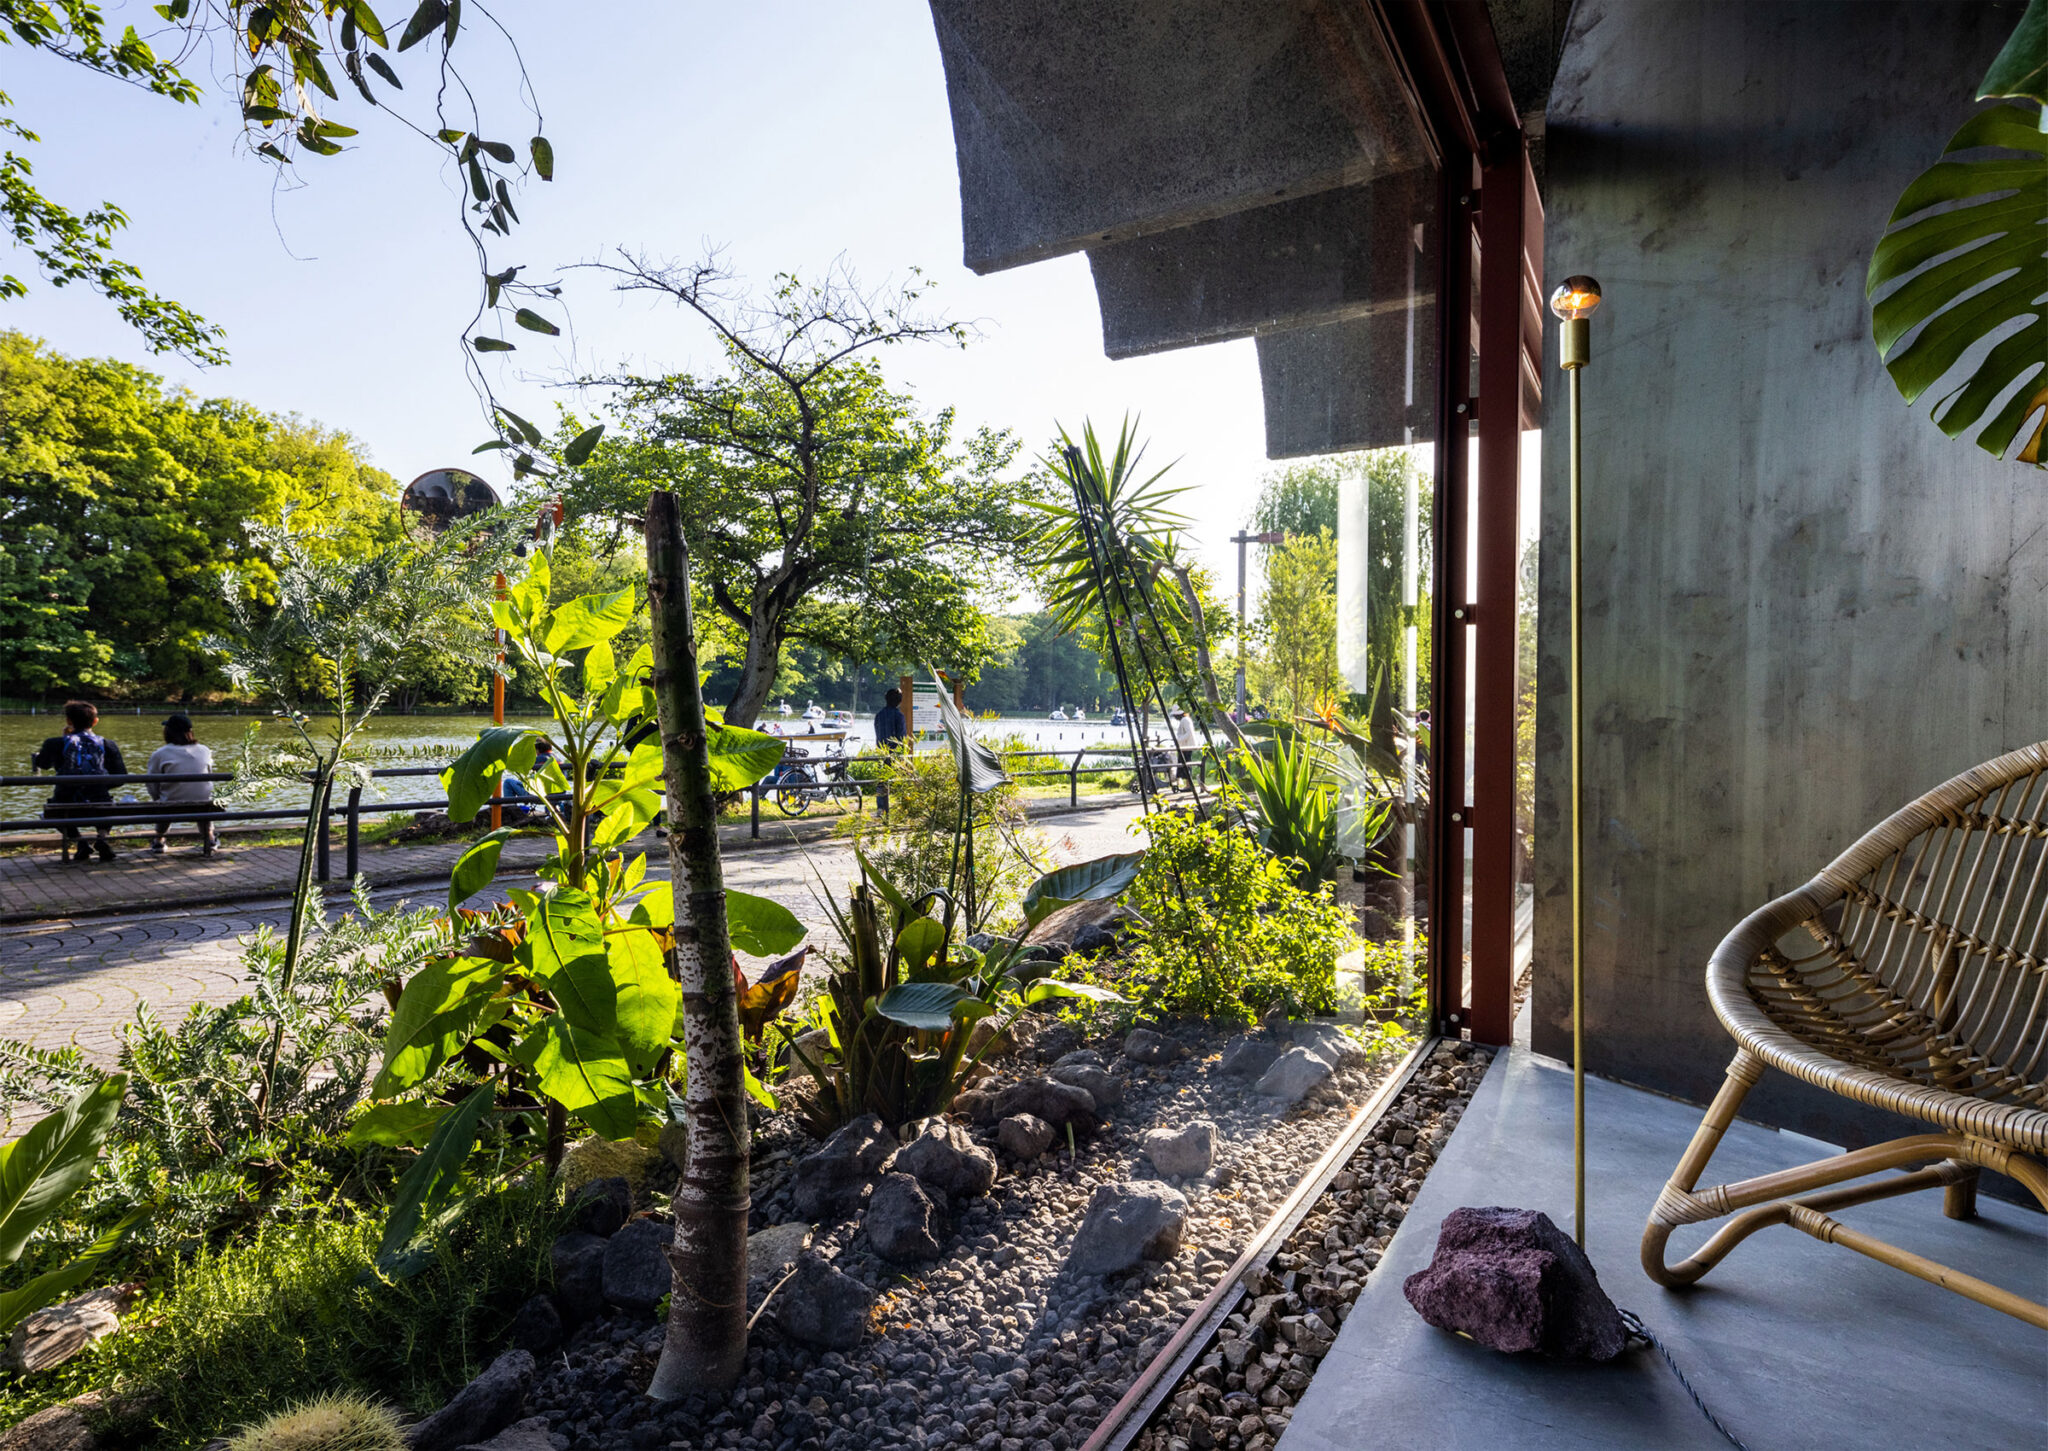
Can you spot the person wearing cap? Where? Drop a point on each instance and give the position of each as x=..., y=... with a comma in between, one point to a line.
x=182, y=755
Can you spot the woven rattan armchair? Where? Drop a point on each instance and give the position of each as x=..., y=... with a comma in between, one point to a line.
x=1911, y=974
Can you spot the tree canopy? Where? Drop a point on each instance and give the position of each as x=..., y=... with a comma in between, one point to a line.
x=122, y=504
x=821, y=506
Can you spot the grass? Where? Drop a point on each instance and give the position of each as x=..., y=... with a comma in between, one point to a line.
x=299, y=1311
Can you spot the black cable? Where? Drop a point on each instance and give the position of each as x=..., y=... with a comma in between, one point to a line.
x=1633, y=1323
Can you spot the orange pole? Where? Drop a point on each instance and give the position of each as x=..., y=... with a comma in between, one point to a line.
x=498, y=707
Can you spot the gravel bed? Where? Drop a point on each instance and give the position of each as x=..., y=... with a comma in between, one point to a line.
x=995, y=1345
x=1242, y=1391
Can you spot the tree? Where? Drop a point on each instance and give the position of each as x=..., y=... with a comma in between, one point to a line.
x=1039, y=666
x=820, y=506
x=277, y=55
x=122, y=505
x=1298, y=616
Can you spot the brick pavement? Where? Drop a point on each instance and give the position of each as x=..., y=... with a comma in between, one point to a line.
x=77, y=981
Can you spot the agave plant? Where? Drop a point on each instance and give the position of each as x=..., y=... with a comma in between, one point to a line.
x=1961, y=260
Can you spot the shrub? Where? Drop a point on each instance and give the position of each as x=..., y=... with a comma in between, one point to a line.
x=299, y=1311
x=915, y=844
x=1226, y=932
x=341, y=1422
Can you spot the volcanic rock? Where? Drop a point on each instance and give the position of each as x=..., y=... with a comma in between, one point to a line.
x=828, y=1183
x=1514, y=1281
x=1183, y=1152
x=944, y=1158
x=1057, y=1103
x=902, y=1222
x=1127, y=1224
x=1293, y=1076
x=823, y=1306
x=1024, y=1135
x=481, y=1409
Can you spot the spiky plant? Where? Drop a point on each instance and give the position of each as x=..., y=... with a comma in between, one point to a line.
x=343, y=1421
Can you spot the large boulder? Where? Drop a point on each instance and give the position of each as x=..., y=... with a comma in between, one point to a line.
x=823, y=1306
x=1127, y=1224
x=1293, y=1076
x=1048, y=1099
x=636, y=1268
x=481, y=1409
x=1248, y=1055
x=1332, y=1044
x=902, y=1222
x=1024, y=1135
x=601, y=1206
x=578, y=1263
x=1514, y=1281
x=1095, y=921
x=1184, y=1152
x=62, y=1427
x=1142, y=1045
x=828, y=1184
x=943, y=1157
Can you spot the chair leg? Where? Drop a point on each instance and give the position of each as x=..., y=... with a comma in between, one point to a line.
x=1743, y=1072
x=1959, y=1200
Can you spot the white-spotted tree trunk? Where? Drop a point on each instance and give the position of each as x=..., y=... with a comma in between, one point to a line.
x=706, y=1346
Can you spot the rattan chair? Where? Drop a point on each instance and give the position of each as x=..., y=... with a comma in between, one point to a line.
x=1909, y=974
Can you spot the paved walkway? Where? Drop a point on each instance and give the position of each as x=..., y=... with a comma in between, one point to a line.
x=76, y=982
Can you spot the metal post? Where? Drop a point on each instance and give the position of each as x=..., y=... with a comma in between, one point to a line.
x=355, y=822
x=1241, y=539
x=498, y=706
x=1574, y=302
x=324, y=809
x=1074, y=781
x=754, y=806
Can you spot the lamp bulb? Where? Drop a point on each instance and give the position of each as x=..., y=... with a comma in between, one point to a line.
x=1576, y=297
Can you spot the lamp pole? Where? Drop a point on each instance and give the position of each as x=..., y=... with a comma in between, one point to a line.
x=1241, y=539
x=1574, y=303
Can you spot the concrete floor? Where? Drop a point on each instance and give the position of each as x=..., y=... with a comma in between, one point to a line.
x=1797, y=1345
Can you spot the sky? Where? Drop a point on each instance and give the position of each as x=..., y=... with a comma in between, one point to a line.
x=789, y=132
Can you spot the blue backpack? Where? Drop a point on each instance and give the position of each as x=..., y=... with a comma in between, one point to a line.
x=85, y=754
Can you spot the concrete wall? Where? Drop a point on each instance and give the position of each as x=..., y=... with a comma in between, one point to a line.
x=1805, y=605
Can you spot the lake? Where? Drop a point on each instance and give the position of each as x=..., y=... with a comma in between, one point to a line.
x=423, y=740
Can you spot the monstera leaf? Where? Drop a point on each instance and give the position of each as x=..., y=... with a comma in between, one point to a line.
x=1987, y=220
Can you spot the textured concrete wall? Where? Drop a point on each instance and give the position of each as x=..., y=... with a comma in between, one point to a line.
x=1804, y=604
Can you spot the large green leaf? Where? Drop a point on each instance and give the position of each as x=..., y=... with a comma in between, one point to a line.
x=53, y=1285
x=760, y=927
x=623, y=994
x=473, y=779
x=476, y=868
x=925, y=1006
x=46, y=1165
x=919, y=942
x=1090, y=881
x=396, y=1125
x=588, y=620
x=561, y=926
x=2021, y=69
x=442, y=1006
x=739, y=756
x=585, y=1072
x=431, y=1179
x=1991, y=233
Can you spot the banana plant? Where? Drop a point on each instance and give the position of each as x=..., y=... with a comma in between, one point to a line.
x=560, y=1000
x=1961, y=261
x=39, y=1172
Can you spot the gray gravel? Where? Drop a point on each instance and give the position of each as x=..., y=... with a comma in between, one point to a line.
x=991, y=1346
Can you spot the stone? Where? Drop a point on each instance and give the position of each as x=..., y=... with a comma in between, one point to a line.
x=537, y=1326
x=591, y=1159
x=530, y=1434
x=1294, y=1074
x=822, y=1306
x=1046, y=1098
x=1184, y=1152
x=601, y=1206
x=1332, y=1044
x=578, y=1263
x=481, y=1409
x=985, y=1040
x=1127, y=1224
x=1024, y=1135
x=942, y=1157
x=1099, y=1083
x=1055, y=1042
x=52, y=1336
x=1143, y=1045
x=61, y=1427
x=636, y=1267
x=976, y=1105
x=1061, y=928
x=1514, y=1282
x=1248, y=1055
x=1079, y=1058
x=773, y=1250
x=902, y=1222
x=828, y=1184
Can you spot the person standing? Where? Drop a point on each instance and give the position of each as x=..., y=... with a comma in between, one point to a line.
x=892, y=734
x=182, y=755
x=1186, y=744
x=80, y=752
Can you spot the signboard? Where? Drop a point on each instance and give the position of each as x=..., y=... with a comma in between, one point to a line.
x=924, y=709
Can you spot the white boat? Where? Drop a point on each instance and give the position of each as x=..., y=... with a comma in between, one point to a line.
x=814, y=712
x=837, y=719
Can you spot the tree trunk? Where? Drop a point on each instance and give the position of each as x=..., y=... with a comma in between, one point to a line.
x=757, y=672
x=1203, y=664
x=707, y=1320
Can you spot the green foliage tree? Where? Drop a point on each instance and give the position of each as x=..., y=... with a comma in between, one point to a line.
x=123, y=505
x=1298, y=620
x=821, y=507
x=276, y=57
x=1039, y=666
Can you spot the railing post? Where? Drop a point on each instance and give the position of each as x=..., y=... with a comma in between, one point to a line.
x=322, y=806
x=355, y=821
x=754, y=792
x=1074, y=781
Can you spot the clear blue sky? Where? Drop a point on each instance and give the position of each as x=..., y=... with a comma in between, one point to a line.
x=790, y=131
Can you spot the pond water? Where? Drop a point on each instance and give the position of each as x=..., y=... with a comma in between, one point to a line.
x=398, y=740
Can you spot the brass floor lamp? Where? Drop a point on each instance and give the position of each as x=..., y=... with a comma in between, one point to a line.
x=1574, y=303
